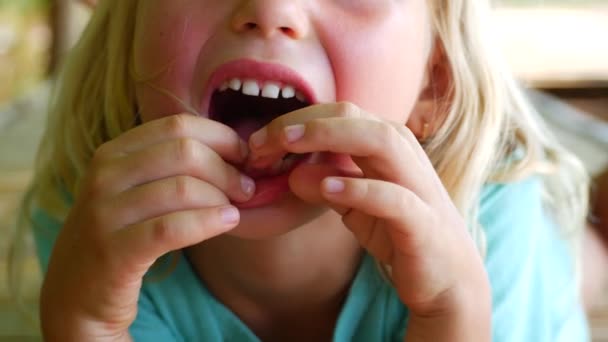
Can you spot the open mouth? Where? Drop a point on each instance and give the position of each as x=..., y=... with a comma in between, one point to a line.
x=248, y=105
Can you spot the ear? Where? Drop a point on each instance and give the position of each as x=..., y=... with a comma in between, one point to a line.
x=431, y=108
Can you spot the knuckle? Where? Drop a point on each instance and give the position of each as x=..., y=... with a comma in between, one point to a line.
x=101, y=152
x=347, y=110
x=162, y=230
x=101, y=157
x=318, y=129
x=206, y=162
x=387, y=137
x=99, y=172
x=183, y=189
x=98, y=181
x=403, y=204
x=187, y=151
x=177, y=125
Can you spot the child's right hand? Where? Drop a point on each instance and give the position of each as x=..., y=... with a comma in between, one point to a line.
x=162, y=186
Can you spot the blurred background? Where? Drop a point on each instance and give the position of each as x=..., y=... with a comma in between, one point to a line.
x=557, y=48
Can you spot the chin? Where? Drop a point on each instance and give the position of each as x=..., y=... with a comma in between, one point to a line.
x=276, y=219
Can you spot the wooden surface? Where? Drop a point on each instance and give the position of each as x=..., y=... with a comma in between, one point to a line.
x=553, y=47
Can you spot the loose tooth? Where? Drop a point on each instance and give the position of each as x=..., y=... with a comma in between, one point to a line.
x=277, y=167
x=315, y=158
x=288, y=92
x=251, y=88
x=271, y=90
x=225, y=86
x=235, y=84
x=288, y=163
x=300, y=97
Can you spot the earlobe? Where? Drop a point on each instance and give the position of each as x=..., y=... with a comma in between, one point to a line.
x=431, y=108
x=425, y=131
x=423, y=120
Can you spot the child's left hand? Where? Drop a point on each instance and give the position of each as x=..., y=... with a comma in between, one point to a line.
x=396, y=207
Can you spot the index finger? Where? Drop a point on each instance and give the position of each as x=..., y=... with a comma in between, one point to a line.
x=219, y=137
x=265, y=143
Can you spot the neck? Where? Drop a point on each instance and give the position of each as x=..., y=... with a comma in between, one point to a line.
x=307, y=270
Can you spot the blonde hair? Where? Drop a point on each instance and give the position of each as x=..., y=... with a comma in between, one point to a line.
x=487, y=119
x=490, y=119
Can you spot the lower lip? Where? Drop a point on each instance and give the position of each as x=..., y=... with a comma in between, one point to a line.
x=270, y=189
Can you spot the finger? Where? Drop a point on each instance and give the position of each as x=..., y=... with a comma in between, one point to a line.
x=397, y=205
x=370, y=234
x=162, y=197
x=425, y=162
x=264, y=145
x=355, y=137
x=219, y=137
x=184, y=156
x=410, y=137
x=305, y=181
x=145, y=242
x=375, y=146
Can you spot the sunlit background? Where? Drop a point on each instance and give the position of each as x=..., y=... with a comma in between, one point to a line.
x=558, y=48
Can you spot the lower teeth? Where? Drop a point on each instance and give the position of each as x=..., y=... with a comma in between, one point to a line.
x=289, y=161
x=278, y=168
x=284, y=165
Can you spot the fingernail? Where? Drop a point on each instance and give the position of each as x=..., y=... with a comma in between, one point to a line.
x=230, y=215
x=333, y=185
x=294, y=133
x=247, y=185
x=258, y=139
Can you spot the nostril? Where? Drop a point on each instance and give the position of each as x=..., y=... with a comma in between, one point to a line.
x=251, y=26
x=288, y=31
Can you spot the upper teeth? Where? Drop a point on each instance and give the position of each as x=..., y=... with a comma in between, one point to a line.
x=271, y=90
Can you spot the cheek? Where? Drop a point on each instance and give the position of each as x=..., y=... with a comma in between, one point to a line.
x=381, y=69
x=166, y=47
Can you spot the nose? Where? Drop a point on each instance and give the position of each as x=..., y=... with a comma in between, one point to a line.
x=268, y=18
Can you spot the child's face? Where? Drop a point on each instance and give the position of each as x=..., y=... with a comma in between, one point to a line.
x=369, y=52
x=372, y=53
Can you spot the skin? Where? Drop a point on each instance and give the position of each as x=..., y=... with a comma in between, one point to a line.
x=166, y=184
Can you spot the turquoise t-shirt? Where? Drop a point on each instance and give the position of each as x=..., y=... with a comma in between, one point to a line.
x=534, y=293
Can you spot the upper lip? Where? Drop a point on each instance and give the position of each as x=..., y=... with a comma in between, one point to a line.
x=260, y=71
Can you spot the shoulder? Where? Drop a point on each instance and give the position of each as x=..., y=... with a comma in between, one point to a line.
x=513, y=213
x=530, y=266
x=519, y=228
x=497, y=199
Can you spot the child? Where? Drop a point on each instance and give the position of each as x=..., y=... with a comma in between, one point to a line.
x=297, y=167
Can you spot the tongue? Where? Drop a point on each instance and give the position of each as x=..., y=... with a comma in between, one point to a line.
x=246, y=127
